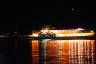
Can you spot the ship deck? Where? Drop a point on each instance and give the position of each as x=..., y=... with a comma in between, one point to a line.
x=64, y=38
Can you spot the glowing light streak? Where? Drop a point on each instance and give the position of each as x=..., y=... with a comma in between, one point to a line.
x=75, y=34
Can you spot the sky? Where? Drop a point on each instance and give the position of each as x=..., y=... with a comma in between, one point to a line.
x=25, y=17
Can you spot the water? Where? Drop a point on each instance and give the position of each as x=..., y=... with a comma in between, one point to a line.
x=15, y=51
x=63, y=51
x=47, y=51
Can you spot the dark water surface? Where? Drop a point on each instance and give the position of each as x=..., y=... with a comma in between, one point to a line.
x=15, y=51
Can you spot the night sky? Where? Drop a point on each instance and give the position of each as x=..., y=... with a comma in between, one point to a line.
x=26, y=16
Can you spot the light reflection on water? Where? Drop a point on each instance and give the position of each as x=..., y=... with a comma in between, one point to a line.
x=63, y=52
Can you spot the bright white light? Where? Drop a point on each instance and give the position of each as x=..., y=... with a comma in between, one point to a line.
x=91, y=31
x=35, y=35
x=79, y=29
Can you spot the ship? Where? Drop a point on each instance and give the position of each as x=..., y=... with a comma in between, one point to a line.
x=48, y=32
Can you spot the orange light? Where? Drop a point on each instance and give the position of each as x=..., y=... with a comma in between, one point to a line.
x=75, y=34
